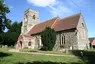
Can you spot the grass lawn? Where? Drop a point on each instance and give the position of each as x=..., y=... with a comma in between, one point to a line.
x=23, y=58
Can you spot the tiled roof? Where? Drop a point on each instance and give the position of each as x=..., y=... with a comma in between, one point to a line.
x=91, y=39
x=57, y=24
x=67, y=23
x=41, y=26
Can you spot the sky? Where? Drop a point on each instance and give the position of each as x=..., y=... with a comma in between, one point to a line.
x=52, y=8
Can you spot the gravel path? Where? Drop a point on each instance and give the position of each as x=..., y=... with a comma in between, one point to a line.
x=16, y=50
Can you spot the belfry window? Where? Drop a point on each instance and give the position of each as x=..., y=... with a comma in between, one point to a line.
x=34, y=17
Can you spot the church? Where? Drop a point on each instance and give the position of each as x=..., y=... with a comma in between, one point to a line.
x=71, y=32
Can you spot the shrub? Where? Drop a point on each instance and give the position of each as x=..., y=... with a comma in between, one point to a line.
x=48, y=38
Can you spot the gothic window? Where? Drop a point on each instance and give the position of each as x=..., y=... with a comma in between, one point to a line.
x=82, y=24
x=34, y=17
x=29, y=44
x=63, y=37
x=62, y=40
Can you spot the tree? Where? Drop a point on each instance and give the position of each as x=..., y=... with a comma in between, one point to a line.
x=10, y=38
x=48, y=37
x=4, y=21
x=15, y=27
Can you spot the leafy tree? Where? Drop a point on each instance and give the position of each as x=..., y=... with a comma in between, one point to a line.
x=4, y=21
x=15, y=27
x=48, y=37
x=10, y=38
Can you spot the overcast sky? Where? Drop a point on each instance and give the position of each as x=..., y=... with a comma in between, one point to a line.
x=51, y=8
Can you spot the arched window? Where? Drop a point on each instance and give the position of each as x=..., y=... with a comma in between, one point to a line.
x=21, y=44
x=82, y=24
x=62, y=42
x=29, y=44
x=34, y=17
x=63, y=39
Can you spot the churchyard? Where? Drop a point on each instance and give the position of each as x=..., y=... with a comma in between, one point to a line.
x=28, y=56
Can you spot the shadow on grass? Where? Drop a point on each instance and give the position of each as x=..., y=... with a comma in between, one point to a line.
x=87, y=56
x=3, y=54
x=43, y=62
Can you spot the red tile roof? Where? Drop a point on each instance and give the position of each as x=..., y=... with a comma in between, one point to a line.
x=41, y=26
x=57, y=24
x=67, y=23
x=91, y=39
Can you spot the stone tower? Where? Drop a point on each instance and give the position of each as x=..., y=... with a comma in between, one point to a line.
x=31, y=17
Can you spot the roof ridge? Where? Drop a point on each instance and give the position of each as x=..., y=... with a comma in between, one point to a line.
x=47, y=20
x=72, y=15
x=47, y=23
x=54, y=22
x=50, y=19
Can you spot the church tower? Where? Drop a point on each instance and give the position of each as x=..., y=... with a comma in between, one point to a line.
x=31, y=17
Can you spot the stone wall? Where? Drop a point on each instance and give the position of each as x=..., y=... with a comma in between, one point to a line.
x=25, y=42
x=33, y=43
x=69, y=40
x=82, y=35
x=36, y=42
